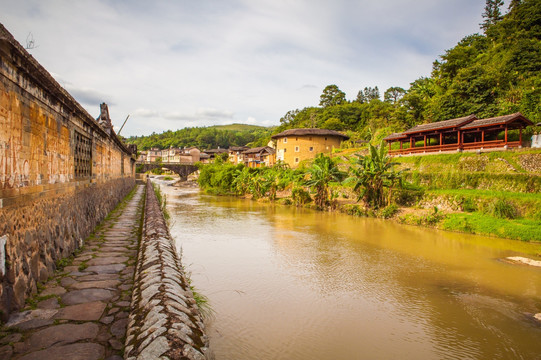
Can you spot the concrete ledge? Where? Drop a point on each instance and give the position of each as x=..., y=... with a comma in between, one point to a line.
x=164, y=321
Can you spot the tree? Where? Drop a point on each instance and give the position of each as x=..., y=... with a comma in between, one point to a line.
x=492, y=13
x=513, y=5
x=361, y=98
x=332, y=124
x=332, y=96
x=322, y=172
x=289, y=117
x=393, y=94
x=372, y=174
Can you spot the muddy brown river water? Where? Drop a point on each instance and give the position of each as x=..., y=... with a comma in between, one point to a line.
x=289, y=283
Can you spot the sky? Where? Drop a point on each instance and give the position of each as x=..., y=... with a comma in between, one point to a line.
x=187, y=63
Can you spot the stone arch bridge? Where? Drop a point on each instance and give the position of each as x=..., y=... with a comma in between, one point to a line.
x=182, y=169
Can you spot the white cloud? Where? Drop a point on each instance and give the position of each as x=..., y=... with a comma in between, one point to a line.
x=172, y=64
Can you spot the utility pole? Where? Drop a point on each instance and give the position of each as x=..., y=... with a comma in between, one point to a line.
x=122, y=127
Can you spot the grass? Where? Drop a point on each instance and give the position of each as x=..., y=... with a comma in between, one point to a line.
x=478, y=223
x=489, y=194
x=162, y=201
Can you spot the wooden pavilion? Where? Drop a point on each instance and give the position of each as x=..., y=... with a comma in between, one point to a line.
x=465, y=133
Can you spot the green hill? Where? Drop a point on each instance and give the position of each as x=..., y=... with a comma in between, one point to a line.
x=222, y=136
x=238, y=127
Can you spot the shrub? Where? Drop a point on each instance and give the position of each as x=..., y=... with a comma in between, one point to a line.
x=407, y=197
x=434, y=217
x=388, y=211
x=354, y=209
x=469, y=205
x=503, y=209
x=300, y=196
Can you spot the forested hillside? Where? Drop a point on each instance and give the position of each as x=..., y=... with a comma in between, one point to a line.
x=206, y=137
x=492, y=73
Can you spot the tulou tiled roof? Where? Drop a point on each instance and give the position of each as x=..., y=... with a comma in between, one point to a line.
x=310, y=131
x=441, y=125
x=499, y=120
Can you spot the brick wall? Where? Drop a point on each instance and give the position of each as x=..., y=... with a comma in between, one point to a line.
x=61, y=172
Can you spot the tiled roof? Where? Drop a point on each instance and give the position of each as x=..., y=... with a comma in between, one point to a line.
x=256, y=150
x=441, y=125
x=238, y=148
x=215, y=151
x=395, y=136
x=496, y=121
x=310, y=131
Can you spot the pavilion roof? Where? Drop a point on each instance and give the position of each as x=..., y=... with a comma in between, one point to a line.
x=395, y=136
x=440, y=125
x=500, y=120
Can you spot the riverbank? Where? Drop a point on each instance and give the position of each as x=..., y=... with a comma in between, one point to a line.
x=494, y=194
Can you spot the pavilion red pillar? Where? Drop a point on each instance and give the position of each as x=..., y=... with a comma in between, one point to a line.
x=505, y=134
x=441, y=139
x=389, y=146
x=400, y=144
x=520, y=137
x=482, y=135
x=425, y=140
x=411, y=142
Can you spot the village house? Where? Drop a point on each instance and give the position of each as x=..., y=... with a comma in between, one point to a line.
x=212, y=153
x=142, y=157
x=235, y=154
x=259, y=156
x=296, y=145
x=154, y=154
x=465, y=133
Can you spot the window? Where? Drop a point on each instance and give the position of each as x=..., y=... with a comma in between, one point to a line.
x=296, y=149
x=311, y=148
x=296, y=160
x=82, y=156
x=285, y=140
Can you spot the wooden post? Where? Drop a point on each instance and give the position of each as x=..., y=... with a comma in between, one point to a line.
x=441, y=139
x=482, y=135
x=506, y=134
x=389, y=146
x=458, y=138
x=425, y=140
x=520, y=137
x=411, y=142
x=400, y=144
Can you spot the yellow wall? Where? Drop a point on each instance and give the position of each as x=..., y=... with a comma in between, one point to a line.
x=294, y=149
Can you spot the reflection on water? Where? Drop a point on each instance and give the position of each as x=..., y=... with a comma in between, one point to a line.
x=288, y=283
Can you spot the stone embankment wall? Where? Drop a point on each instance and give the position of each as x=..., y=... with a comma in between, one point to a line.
x=164, y=320
x=61, y=172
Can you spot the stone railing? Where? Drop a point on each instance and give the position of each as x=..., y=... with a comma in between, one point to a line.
x=164, y=320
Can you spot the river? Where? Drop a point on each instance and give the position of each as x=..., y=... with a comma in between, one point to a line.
x=290, y=283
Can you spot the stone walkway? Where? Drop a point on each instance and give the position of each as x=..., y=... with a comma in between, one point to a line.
x=82, y=313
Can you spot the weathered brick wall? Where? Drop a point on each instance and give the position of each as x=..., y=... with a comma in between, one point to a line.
x=60, y=173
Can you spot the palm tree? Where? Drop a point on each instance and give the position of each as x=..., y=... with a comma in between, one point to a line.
x=322, y=172
x=374, y=173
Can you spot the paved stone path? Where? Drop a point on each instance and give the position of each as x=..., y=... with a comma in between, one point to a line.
x=82, y=313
